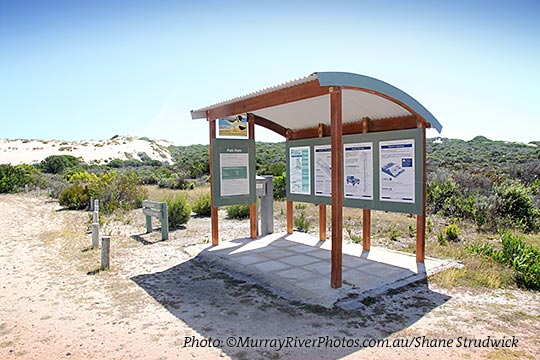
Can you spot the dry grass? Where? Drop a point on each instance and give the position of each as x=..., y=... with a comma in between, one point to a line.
x=159, y=194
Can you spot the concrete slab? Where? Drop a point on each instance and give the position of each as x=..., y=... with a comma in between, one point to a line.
x=297, y=267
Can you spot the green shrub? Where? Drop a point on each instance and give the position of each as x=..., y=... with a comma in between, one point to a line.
x=451, y=232
x=301, y=223
x=517, y=205
x=240, y=211
x=56, y=164
x=11, y=179
x=523, y=258
x=75, y=197
x=122, y=191
x=441, y=238
x=179, y=211
x=279, y=184
x=203, y=206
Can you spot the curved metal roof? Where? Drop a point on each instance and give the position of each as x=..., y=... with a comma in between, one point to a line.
x=363, y=96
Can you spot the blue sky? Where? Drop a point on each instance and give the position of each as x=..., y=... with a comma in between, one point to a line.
x=92, y=69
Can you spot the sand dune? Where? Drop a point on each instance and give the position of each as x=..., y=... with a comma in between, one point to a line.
x=26, y=151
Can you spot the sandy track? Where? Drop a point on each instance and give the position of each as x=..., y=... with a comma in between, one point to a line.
x=155, y=296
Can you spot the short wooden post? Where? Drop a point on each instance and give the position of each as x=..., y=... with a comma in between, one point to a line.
x=95, y=235
x=26, y=188
x=289, y=217
x=96, y=205
x=164, y=221
x=95, y=217
x=38, y=191
x=148, y=224
x=105, y=252
x=91, y=203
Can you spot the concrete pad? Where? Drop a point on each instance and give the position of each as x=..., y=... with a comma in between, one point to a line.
x=297, y=267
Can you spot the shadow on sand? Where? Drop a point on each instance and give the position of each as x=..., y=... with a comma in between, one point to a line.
x=218, y=306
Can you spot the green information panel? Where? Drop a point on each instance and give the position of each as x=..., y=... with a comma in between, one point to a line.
x=381, y=171
x=233, y=171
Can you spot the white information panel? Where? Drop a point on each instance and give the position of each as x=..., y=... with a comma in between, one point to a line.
x=323, y=170
x=358, y=170
x=234, y=172
x=300, y=170
x=396, y=170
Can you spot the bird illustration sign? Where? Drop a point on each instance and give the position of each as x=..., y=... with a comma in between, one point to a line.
x=233, y=126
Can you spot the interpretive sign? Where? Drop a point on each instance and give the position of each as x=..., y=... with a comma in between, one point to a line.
x=233, y=163
x=358, y=170
x=396, y=170
x=233, y=126
x=323, y=170
x=381, y=170
x=234, y=171
x=300, y=170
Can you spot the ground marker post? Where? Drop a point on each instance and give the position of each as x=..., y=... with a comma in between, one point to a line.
x=105, y=252
x=95, y=235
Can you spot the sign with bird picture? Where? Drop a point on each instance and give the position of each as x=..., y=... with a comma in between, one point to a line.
x=233, y=126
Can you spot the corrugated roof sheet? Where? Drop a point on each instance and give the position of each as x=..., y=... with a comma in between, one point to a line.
x=310, y=112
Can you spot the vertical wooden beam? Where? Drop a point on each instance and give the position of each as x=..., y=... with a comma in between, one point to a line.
x=337, y=185
x=253, y=206
x=366, y=214
x=421, y=218
x=322, y=207
x=213, y=209
x=288, y=133
x=289, y=217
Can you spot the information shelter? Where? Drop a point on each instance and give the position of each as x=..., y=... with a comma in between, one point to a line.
x=351, y=140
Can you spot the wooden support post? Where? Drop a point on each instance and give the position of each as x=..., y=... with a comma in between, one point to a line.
x=366, y=230
x=322, y=207
x=253, y=206
x=95, y=218
x=213, y=209
x=337, y=185
x=289, y=217
x=421, y=218
x=366, y=214
x=105, y=252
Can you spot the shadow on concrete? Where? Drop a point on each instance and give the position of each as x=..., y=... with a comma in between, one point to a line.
x=217, y=305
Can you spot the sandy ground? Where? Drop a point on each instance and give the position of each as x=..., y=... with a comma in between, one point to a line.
x=54, y=304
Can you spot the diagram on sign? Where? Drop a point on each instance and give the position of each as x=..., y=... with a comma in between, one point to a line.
x=323, y=170
x=397, y=172
x=358, y=170
x=299, y=170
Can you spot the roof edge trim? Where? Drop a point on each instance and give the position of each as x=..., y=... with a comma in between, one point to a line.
x=369, y=83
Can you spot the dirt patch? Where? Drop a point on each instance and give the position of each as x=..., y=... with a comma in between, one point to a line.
x=155, y=296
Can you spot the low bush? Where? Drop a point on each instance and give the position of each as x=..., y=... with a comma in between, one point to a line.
x=74, y=197
x=301, y=223
x=203, y=206
x=240, y=211
x=523, y=258
x=179, y=211
x=451, y=232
